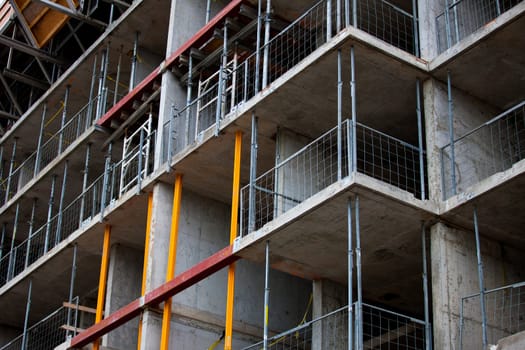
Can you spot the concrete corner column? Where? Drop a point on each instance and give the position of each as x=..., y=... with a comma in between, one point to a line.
x=328, y=334
x=123, y=286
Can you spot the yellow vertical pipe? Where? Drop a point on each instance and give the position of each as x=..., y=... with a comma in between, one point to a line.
x=172, y=259
x=145, y=264
x=233, y=235
x=102, y=280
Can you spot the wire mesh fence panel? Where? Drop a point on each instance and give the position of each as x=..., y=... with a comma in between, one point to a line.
x=505, y=315
x=327, y=332
x=462, y=18
x=297, y=41
x=50, y=331
x=384, y=329
x=491, y=148
x=388, y=159
x=387, y=22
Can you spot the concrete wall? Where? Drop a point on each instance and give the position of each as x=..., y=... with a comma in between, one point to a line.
x=428, y=36
x=123, y=286
x=454, y=275
x=204, y=230
x=471, y=154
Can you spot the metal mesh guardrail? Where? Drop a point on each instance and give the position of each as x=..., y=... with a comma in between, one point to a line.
x=241, y=80
x=318, y=164
x=102, y=192
x=56, y=144
x=462, y=18
x=382, y=329
x=49, y=332
x=493, y=147
x=505, y=315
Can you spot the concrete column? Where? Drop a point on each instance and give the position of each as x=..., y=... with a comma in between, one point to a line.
x=330, y=332
x=157, y=259
x=472, y=154
x=186, y=18
x=428, y=11
x=454, y=275
x=123, y=286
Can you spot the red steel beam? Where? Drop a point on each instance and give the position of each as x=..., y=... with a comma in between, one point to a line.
x=147, y=84
x=184, y=280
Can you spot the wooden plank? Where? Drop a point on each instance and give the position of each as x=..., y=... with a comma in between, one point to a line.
x=71, y=328
x=79, y=307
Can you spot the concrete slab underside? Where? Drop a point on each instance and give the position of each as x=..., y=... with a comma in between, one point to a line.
x=500, y=205
x=315, y=245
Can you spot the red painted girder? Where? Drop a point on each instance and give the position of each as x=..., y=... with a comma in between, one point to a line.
x=146, y=85
x=184, y=280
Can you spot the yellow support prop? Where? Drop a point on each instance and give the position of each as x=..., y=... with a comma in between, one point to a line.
x=145, y=264
x=102, y=280
x=172, y=259
x=233, y=235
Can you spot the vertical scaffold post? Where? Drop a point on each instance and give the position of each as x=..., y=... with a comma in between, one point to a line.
x=141, y=154
x=350, y=275
x=258, y=48
x=101, y=78
x=11, y=168
x=233, y=235
x=90, y=117
x=447, y=24
x=208, y=10
x=451, y=136
x=328, y=19
x=40, y=140
x=481, y=281
x=30, y=233
x=354, y=13
x=266, y=295
x=338, y=16
x=58, y=234
x=253, y=174
x=105, y=182
x=415, y=23
x=102, y=280
x=2, y=240
x=85, y=174
x=71, y=291
x=134, y=61
x=12, y=251
x=26, y=318
x=145, y=262
x=117, y=77
x=266, y=43
x=50, y=212
x=63, y=120
x=359, y=311
x=339, y=117
x=170, y=144
x=354, y=112
x=172, y=259
x=420, y=140
x=428, y=331
x=222, y=81
x=189, y=96
x=347, y=13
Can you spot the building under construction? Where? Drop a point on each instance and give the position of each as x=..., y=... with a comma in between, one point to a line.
x=262, y=174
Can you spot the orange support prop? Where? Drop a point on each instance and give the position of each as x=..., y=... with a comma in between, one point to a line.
x=102, y=280
x=233, y=235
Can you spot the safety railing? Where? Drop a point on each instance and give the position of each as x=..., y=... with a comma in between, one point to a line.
x=242, y=80
x=322, y=163
x=504, y=315
x=88, y=206
x=462, y=18
x=55, y=145
x=51, y=331
x=493, y=147
x=381, y=329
